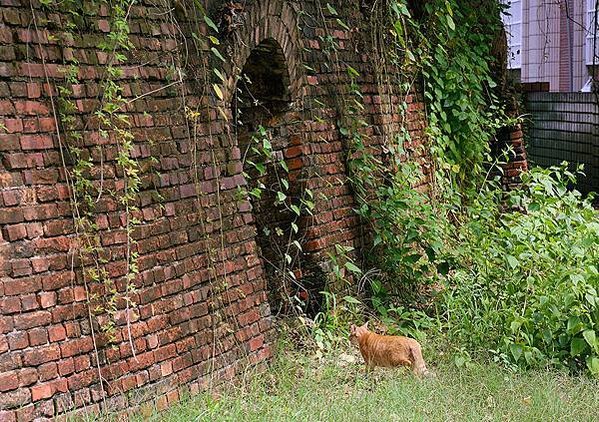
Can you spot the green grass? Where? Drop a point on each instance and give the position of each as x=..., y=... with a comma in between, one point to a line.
x=300, y=388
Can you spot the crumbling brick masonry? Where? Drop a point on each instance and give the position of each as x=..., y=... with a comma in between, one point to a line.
x=201, y=309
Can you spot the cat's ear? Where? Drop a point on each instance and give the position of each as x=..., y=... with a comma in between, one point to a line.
x=352, y=329
x=365, y=325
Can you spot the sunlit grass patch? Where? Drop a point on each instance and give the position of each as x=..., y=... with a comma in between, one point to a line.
x=300, y=388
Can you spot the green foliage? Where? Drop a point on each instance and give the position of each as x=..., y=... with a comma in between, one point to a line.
x=518, y=270
x=407, y=236
x=463, y=112
x=525, y=282
x=451, y=47
x=270, y=190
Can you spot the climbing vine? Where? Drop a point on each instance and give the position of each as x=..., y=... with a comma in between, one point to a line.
x=113, y=127
x=449, y=46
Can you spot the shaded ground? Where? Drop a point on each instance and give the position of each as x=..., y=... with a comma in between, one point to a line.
x=299, y=388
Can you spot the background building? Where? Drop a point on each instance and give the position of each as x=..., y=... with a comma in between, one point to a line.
x=552, y=42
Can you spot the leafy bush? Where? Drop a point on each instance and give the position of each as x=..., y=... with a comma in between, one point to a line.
x=525, y=280
x=406, y=231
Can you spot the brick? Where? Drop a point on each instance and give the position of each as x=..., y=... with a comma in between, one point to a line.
x=255, y=343
x=33, y=142
x=41, y=355
x=42, y=391
x=26, y=413
x=34, y=230
x=10, y=305
x=47, y=299
x=76, y=347
x=11, y=216
x=8, y=416
x=47, y=371
x=14, y=399
x=18, y=340
x=6, y=35
x=38, y=336
x=31, y=108
x=13, y=125
x=27, y=376
x=32, y=319
x=17, y=161
x=34, y=90
x=81, y=363
x=29, y=302
x=7, y=70
x=22, y=286
x=21, y=267
x=15, y=232
x=8, y=381
x=4, y=347
x=56, y=333
x=10, y=198
x=66, y=367
x=103, y=25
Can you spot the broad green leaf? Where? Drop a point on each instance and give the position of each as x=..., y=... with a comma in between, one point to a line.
x=516, y=350
x=217, y=54
x=574, y=325
x=512, y=261
x=593, y=365
x=528, y=357
x=577, y=346
x=218, y=91
x=352, y=72
x=353, y=268
x=450, y=22
x=590, y=337
x=219, y=74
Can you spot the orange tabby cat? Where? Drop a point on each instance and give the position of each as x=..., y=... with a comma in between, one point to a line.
x=389, y=351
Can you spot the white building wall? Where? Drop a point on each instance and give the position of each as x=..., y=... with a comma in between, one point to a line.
x=554, y=42
x=540, y=42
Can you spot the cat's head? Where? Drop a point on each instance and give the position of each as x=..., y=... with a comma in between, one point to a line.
x=355, y=332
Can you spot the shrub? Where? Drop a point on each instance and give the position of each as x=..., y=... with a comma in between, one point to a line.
x=524, y=281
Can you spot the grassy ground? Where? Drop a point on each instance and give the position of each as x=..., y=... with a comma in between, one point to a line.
x=300, y=388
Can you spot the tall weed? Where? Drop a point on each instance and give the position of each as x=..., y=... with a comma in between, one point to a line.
x=524, y=281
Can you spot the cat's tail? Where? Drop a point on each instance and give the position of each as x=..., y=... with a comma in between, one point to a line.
x=418, y=365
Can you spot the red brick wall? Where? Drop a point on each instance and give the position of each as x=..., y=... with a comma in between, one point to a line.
x=202, y=313
x=517, y=160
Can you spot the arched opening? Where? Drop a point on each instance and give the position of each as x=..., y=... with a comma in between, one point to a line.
x=267, y=129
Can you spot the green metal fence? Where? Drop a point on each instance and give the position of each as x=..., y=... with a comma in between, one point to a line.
x=564, y=126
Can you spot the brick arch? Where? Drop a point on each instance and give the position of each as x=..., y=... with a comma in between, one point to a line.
x=265, y=20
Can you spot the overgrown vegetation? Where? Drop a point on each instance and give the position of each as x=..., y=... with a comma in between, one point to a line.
x=509, y=276
x=525, y=279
